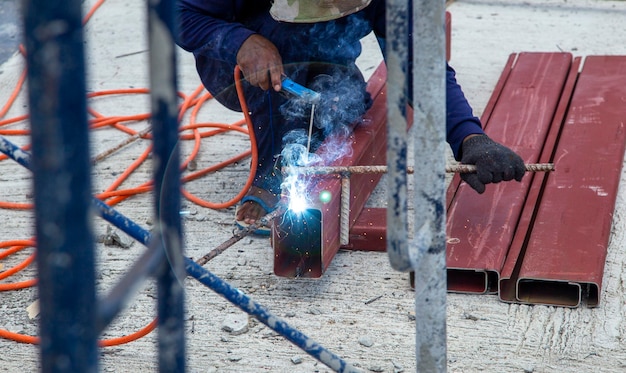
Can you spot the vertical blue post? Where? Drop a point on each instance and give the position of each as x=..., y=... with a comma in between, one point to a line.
x=53, y=35
x=168, y=234
x=429, y=243
x=396, y=60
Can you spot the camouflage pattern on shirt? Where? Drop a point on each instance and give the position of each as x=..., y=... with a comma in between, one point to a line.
x=310, y=11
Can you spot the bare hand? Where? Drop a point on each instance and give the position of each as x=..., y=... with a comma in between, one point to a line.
x=260, y=62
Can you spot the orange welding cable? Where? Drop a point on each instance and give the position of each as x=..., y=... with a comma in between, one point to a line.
x=18, y=245
x=151, y=326
x=144, y=188
x=18, y=285
x=115, y=122
x=253, y=146
x=35, y=340
x=15, y=205
x=121, y=195
x=194, y=151
x=130, y=169
x=14, y=94
x=91, y=12
x=14, y=132
x=13, y=120
x=22, y=79
x=217, y=166
x=196, y=133
x=130, y=337
x=118, y=91
x=13, y=270
x=214, y=205
x=221, y=128
x=14, y=245
x=21, y=338
x=189, y=101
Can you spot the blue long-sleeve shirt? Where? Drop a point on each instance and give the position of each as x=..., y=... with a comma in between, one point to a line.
x=214, y=30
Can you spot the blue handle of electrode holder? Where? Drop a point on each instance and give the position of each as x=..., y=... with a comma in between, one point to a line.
x=300, y=91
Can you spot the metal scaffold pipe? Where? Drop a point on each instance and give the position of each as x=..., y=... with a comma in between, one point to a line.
x=425, y=254
x=428, y=246
x=53, y=38
x=396, y=59
x=171, y=274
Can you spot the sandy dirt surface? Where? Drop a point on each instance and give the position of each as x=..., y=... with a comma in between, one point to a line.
x=361, y=309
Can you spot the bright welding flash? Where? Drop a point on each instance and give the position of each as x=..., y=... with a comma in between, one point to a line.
x=297, y=203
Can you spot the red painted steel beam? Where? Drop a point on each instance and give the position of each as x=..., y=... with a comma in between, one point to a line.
x=510, y=272
x=369, y=232
x=566, y=250
x=368, y=148
x=480, y=228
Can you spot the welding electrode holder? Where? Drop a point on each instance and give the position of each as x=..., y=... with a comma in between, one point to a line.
x=291, y=88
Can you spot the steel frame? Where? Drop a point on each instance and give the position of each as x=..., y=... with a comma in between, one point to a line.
x=71, y=319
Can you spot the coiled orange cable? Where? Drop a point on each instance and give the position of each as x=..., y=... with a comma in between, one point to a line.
x=112, y=195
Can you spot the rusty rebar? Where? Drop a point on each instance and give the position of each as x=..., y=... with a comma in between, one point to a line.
x=122, y=144
x=237, y=236
x=455, y=168
x=344, y=214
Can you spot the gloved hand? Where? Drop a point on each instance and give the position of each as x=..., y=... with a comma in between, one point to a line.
x=494, y=162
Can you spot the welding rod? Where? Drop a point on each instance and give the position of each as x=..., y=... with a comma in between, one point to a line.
x=237, y=236
x=457, y=168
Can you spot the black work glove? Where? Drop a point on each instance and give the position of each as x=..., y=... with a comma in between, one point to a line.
x=494, y=162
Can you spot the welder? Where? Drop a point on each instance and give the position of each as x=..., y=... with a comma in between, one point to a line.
x=315, y=43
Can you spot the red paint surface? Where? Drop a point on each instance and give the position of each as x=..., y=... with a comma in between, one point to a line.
x=368, y=148
x=510, y=272
x=480, y=228
x=570, y=235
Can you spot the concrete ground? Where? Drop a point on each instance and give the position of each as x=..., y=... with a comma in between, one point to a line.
x=360, y=309
x=10, y=32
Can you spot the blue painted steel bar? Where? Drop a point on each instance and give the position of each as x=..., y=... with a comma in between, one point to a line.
x=208, y=279
x=396, y=59
x=245, y=303
x=116, y=300
x=168, y=233
x=109, y=306
x=53, y=35
x=428, y=246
